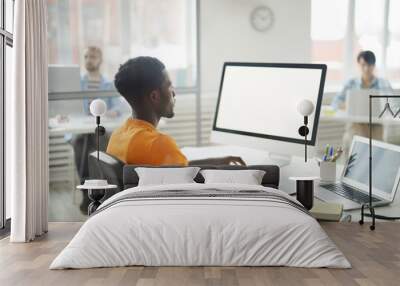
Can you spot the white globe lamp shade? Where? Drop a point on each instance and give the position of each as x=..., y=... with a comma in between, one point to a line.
x=305, y=107
x=98, y=107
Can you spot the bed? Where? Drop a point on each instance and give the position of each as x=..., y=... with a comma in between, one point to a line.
x=198, y=224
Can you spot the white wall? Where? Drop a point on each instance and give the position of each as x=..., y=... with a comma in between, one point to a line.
x=227, y=35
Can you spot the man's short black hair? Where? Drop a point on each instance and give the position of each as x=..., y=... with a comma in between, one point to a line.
x=368, y=57
x=139, y=76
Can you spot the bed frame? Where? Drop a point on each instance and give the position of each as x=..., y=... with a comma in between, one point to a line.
x=124, y=176
x=270, y=179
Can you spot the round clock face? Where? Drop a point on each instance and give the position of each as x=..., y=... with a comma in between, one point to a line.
x=262, y=18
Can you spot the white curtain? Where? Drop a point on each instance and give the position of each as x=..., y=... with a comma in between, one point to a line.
x=27, y=123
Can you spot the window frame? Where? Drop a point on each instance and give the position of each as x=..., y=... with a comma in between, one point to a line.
x=6, y=39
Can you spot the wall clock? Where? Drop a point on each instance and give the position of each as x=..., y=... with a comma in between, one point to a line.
x=262, y=18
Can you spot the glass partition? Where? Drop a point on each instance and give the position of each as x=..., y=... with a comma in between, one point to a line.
x=341, y=29
x=369, y=27
x=71, y=140
x=393, y=50
x=88, y=40
x=328, y=32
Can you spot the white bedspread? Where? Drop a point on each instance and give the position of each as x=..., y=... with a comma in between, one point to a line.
x=200, y=231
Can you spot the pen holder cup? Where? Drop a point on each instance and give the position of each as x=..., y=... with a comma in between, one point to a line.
x=327, y=171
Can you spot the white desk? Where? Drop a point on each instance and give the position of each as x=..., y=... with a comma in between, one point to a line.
x=343, y=117
x=297, y=167
x=81, y=124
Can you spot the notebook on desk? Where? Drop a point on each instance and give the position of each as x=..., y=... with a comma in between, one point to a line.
x=326, y=211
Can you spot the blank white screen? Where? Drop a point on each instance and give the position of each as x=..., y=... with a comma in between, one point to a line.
x=264, y=100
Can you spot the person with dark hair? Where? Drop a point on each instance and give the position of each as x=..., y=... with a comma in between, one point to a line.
x=366, y=62
x=145, y=84
x=93, y=78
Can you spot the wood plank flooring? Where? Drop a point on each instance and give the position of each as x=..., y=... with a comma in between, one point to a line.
x=375, y=257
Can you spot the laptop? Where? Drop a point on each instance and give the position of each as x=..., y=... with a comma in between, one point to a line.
x=357, y=102
x=353, y=188
x=64, y=78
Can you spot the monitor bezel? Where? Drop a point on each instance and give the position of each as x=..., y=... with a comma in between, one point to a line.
x=313, y=138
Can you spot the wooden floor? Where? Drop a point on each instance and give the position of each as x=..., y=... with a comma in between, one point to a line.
x=375, y=257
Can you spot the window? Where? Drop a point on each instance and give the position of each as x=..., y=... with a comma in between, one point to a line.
x=393, y=50
x=341, y=29
x=8, y=79
x=123, y=29
x=9, y=15
x=369, y=29
x=6, y=42
x=328, y=32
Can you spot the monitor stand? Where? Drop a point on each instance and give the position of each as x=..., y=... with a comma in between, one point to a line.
x=281, y=160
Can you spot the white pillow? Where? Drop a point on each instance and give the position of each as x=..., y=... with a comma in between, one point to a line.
x=248, y=177
x=166, y=176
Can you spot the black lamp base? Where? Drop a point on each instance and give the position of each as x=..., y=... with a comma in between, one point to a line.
x=95, y=196
x=305, y=193
x=305, y=190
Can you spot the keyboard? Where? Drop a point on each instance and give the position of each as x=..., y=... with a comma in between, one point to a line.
x=349, y=193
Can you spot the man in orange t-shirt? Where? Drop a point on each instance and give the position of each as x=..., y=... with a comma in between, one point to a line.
x=146, y=86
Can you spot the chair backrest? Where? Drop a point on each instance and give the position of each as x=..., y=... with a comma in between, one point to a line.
x=108, y=167
x=270, y=179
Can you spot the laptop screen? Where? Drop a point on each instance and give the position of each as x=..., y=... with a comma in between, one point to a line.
x=385, y=166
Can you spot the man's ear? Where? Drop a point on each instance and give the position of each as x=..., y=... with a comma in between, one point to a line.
x=155, y=96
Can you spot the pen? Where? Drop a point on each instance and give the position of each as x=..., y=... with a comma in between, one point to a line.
x=325, y=157
x=331, y=152
x=339, y=152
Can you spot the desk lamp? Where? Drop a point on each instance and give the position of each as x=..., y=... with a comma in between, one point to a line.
x=98, y=108
x=305, y=108
x=305, y=185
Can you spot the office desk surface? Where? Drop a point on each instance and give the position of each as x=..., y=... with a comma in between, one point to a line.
x=80, y=124
x=342, y=117
x=297, y=167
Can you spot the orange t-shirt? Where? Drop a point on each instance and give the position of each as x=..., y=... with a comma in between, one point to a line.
x=138, y=142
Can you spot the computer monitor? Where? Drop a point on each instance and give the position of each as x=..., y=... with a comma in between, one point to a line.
x=257, y=105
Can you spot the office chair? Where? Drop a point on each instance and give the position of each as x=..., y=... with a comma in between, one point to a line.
x=107, y=167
